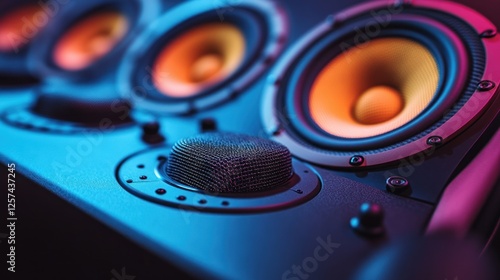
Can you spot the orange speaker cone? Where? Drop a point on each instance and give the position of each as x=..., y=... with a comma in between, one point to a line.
x=17, y=27
x=198, y=59
x=373, y=88
x=90, y=39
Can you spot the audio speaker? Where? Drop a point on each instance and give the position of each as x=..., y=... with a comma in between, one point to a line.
x=263, y=139
x=86, y=39
x=196, y=55
x=20, y=23
x=76, y=57
x=382, y=83
x=387, y=88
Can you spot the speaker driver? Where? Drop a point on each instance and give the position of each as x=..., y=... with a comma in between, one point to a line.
x=87, y=38
x=20, y=22
x=198, y=55
x=90, y=39
x=379, y=80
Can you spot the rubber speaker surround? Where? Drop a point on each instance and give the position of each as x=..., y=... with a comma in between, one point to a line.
x=261, y=23
x=454, y=43
x=137, y=13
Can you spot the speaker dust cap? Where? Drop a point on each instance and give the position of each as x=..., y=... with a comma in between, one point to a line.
x=380, y=79
x=86, y=39
x=200, y=54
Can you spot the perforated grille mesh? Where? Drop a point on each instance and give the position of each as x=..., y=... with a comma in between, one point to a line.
x=229, y=163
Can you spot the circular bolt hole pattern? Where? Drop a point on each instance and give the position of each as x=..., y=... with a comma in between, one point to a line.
x=140, y=166
x=143, y=177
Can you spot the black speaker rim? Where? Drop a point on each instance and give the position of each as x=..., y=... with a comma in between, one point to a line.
x=341, y=159
x=145, y=95
x=40, y=53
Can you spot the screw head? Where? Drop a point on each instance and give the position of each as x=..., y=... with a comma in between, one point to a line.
x=161, y=191
x=397, y=184
x=485, y=85
x=490, y=33
x=435, y=140
x=356, y=160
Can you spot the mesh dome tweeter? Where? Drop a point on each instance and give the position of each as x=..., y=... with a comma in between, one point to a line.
x=230, y=163
x=380, y=79
x=199, y=54
x=222, y=172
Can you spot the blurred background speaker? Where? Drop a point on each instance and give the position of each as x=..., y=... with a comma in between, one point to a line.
x=197, y=55
x=20, y=23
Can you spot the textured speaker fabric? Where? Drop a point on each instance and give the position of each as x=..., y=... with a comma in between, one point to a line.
x=229, y=163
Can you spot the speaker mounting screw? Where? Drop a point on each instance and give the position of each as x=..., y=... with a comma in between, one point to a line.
x=397, y=184
x=485, y=85
x=356, y=160
x=435, y=140
x=490, y=33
